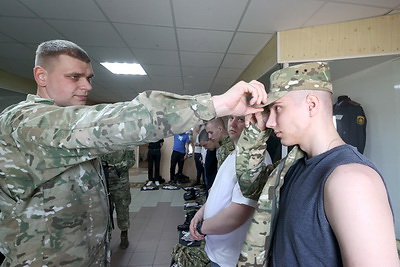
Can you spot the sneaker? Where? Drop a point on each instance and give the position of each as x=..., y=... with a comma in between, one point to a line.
x=157, y=183
x=149, y=183
x=170, y=187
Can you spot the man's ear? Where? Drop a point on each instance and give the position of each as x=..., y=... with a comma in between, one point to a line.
x=40, y=75
x=313, y=103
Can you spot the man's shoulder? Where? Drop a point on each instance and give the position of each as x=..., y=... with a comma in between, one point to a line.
x=353, y=179
x=19, y=112
x=353, y=171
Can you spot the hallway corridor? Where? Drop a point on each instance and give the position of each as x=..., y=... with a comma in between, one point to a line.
x=154, y=218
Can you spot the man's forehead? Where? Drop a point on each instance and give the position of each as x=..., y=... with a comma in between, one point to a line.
x=71, y=64
x=283, y=99
x=210, y=127
x=277, y=102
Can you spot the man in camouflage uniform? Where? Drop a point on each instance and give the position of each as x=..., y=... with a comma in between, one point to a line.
x=217, y=133
x=316, y=189
x=53, y=196
x=116, y=167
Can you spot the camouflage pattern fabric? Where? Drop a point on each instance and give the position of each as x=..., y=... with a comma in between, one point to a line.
x=251, y=171
x=53, y=201
x=226, y=147
x=306, y=76
x=184, y=256
x=261, y=182
x=118, y=184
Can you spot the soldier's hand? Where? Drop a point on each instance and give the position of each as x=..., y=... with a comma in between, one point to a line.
x=192, y=227
x=235, y=101
x=259, y=119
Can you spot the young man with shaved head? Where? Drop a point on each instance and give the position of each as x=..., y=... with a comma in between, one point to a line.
x=328, y=206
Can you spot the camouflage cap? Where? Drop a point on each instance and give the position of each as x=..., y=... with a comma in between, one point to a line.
x=307, y=76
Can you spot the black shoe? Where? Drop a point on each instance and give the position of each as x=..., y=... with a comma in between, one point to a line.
x=181, y=178
x=188, y=218
x=190, y=195
x=124, y=240
x=189, y=188
x=192, y=205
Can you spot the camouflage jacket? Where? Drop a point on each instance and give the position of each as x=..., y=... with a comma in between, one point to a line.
x=53, y=202
x=261, y=183
x=226, y=147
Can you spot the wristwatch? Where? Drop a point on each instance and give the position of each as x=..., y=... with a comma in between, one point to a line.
x=198, y=227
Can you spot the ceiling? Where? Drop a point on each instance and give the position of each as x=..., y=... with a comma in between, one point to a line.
x=185, y=46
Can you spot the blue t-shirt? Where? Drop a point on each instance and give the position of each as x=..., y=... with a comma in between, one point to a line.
x=179, y=142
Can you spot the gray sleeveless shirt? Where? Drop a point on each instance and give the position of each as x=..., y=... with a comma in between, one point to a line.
x=303, y=236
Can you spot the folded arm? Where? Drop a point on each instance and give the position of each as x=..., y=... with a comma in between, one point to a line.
x=227, y=220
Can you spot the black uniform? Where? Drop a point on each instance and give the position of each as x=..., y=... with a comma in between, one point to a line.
x=351, y=122
x=154, y=157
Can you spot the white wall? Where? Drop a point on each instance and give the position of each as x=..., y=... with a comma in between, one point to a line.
x=374, y=88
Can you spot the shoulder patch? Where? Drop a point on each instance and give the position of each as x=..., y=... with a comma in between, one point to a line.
x=360, y=120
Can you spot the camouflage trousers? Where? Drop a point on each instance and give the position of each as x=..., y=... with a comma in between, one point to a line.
x=120, y=197
x=184, y=256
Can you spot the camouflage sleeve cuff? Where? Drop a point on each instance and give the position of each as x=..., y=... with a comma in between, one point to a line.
x=253, y=138
x=250, y=167
x=205, y=107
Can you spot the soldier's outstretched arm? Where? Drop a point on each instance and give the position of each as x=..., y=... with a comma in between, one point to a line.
x=235, y=101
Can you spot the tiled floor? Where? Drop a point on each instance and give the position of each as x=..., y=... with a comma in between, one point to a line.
x=154, y=217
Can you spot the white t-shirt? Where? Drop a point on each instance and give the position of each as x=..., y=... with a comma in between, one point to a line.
x=225, y=249
x=267, y=158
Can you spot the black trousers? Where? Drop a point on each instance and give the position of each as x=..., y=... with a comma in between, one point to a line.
x=153, y=160
x=176, y=158
x=199, y=167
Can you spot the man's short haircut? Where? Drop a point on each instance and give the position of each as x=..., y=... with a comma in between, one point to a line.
x=217, y=122
x=54, y=48
x=203, y=135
